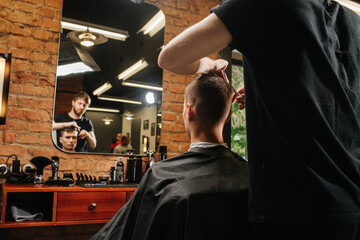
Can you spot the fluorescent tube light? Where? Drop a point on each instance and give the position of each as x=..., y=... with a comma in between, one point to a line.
x=119, y=100
x=102, y=89
x=79, y=26
x=102, y=110
x=5, y=64
x=154, y=25
x=73, y=68
x=138, y=66
x=351, y=5
x=130, y=84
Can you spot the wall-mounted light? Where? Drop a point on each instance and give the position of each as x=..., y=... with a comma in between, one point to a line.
x=102, y=110
x=5, y=62
x=138, y=85
x=138, y=66
x=103, y=88
x=154, y=25
x=119, y=100
x=76, y=25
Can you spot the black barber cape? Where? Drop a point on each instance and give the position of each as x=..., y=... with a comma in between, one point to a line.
x=200, y=194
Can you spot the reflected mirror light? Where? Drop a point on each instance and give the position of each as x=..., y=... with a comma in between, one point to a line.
x=73, y=68
x=150, y=98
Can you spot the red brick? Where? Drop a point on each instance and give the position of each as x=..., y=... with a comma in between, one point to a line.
x=24, y=7
x=52, y=47
x=177, y=88
x=46, y=140
x=20, y=29
x=39, y=56
x=37, y=115
x=54, y=3
x=46, y=12
x=26, y=77
x=21, y=53
x=42, y=68
x=5, y=3
x=28, y=138
x=7, y=150
x=39, y=127
x=15, y=124
x=21, y=17
x=169, y=117
x=36, y=2
x=15, y=113
x=43, y=35
x=9, y=137
x=19, y=65
x=36, y=91
x=52, y=24
x=47, y=81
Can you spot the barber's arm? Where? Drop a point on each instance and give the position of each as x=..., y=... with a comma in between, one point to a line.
x=186, y=53
x=60, y=125
x=89, y=136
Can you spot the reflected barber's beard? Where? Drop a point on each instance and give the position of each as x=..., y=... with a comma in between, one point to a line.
x=79, y=111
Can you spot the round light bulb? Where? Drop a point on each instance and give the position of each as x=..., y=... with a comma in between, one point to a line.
x=87, y=43
x=150, y=97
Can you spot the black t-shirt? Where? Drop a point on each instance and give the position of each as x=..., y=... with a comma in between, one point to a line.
x=83, y=123
x=302, y=85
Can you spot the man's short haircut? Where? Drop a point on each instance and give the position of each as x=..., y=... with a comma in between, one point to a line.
x=211, y=96
x=84, y=96
x=68, y=130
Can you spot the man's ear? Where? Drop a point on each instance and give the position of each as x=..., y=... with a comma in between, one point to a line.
x=190, y=111
x=60, y=139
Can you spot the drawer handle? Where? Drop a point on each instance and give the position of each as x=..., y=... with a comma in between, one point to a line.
x=92, y=206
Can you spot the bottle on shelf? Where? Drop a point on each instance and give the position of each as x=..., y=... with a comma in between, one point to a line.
x=138, y=169
x=120, y=170
x=162, y=152
x=130, y=173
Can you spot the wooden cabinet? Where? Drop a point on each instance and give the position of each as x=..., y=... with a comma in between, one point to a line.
x=63, y=205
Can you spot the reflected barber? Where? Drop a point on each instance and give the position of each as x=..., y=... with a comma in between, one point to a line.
x=75, y=118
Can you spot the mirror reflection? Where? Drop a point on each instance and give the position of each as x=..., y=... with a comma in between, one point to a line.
x=108, y=52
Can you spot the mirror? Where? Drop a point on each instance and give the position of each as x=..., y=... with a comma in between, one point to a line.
x=121, y=41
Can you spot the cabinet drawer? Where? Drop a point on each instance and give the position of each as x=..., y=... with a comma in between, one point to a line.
x=74, y=206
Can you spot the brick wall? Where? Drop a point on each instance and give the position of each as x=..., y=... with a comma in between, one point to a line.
x=29, y=29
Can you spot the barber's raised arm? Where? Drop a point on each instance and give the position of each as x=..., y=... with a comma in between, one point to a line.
x=186, y=53
x=60, y=125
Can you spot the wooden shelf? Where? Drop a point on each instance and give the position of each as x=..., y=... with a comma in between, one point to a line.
x=64, y=205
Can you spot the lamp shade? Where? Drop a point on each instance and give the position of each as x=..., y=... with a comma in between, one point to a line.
x=5, y=62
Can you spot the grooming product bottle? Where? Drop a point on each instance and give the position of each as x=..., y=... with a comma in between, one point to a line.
x=138, y=169
x=162, y=153
x=120, y=170
x=130, y=176
x=151, y=161
x=112, y=174
x=55, y=167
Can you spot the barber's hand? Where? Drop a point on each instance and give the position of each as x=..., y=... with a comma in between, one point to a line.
x=83, y=134
x=73, y=124
x=240, y=99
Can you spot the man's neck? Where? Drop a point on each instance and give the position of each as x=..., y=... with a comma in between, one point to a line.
x=73, y=115
x=211, y=135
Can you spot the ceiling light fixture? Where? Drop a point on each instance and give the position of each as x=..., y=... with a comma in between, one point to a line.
x=128, y=116
x=154, y=25
x=107, y=120
x=351, y=5
x=76, y=25
x=119, y=100
x=87, y=38
x=100, y=90
x=103, y=110
x=138, y=66
x=138, y=85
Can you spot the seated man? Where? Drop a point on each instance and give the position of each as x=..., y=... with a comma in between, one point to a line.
x=68, y=138
x=124, y=146
x=200, y=194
